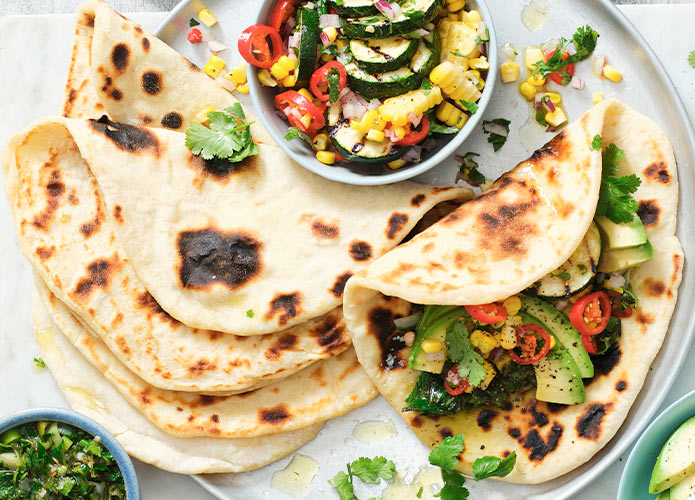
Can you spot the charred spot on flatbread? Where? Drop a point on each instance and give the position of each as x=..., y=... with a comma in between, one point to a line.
x=514, y=432
x=148, y=303
x=274, y=416
x=445, y=432
x=145, y=44
x=657, y=172
x=395, y=224
x=539, y=446
x=589, y=423
x=126, y=137
x=380, y=324
x=417, y=421
x=54, y=190
x=324, y=230
x=555, y=148
x=417, y=200
x=604, y=363
x=118, y=213
x=654, y=288
x=146, y=119
x=172, y=120
x=98, y=275
x=485, y=418
x=556, y=407
x=120, y=57
x=45, y=252
x=151, y=82
x=330, y=334
x=649, y=212
x=360, y=250
x=199, y=367
x=339, y=286
x=210, y=256
x=539, y=418
x=287, y=305
x=220, y=169
x=621, y=385
x=286, y=342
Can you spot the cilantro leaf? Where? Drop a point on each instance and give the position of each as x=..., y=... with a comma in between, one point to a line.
x=468, y=170
x=497, y=140
x=691, y=59
x=333, y=78
x=445, y=455
x=460, y=351
x=584, y=41
x=39, y=362
x=249, y=313
x=343, y=484
x=228, y=136
x=485, y=467
x=453, y=488
x=192, y=22
x=470, y=106
x=295, y=133
x=597, y=143
x=370, y=470
x=615, y=197
x=426, y=86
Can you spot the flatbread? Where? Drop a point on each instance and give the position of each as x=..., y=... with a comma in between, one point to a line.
x=88, y=392
x=550, y=440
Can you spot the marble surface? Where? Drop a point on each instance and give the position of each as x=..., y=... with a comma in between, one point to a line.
x=32, y=87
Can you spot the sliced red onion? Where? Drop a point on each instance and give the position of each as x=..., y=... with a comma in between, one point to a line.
x=396, y=9
x=408, y=321
x=353, y=105
x=551, y=129
x=329, y=20
x=386, y=9
x=509, y=51
x=291, y=23
x=495, y=128
x=391, y=134
x=343, y=92
x=216, y=46
x=599, y=63
x=550, y=105
x=414, y=119
x=324, y=39
x=538, y=100
x=435, y=356
x=496, y=354
x=413, y=154
x=292, y=54
x=481, y=49
x=562, y=304
x=373, y=104
x=577, y=83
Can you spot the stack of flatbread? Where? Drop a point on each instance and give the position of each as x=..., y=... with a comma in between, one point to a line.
x=192, y=307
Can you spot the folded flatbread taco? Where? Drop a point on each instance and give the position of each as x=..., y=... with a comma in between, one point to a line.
x=527, y=319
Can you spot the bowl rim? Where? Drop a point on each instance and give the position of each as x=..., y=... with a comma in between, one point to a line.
x=354, y=178
x=647, y=434
x=87, y=424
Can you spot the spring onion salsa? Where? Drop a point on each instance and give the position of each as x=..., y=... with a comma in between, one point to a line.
x=371, y=81
x=547, y=337
x=49, y=460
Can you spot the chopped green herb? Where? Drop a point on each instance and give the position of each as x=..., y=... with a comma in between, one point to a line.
x=497, y=140
x=39, y=362
x=493, y=467
x=331, y=49
x=582, y=268
x=584, y=41
x=227, y=138
x=295, y=133
x=597, y=143
x=295, y=50
x=321, y=7
x=343, y=485
x=691, y=59
x=470, y=106
x=426, y=86
x=419, y=492
x=615, y=197
x=249, y=313
x=564, y=276
x=445, y=455
x=192, y=22
x=333, y=78
x=540, y=117
x=461, y=351
x=481, y=40
x=458, y=54
x=453, y=488
x=468, y=170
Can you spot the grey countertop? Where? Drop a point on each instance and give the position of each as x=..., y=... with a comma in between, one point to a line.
x=67, y=6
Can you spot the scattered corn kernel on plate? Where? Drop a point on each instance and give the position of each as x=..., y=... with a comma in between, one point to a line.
x=523, y=113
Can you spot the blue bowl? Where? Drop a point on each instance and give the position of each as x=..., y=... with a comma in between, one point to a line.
x=634, y=485
x=86, y=424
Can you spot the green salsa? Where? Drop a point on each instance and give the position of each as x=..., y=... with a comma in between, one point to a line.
x=49, y=460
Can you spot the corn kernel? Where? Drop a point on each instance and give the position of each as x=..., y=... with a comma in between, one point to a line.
x=453, y=16
x=305, y=120
x=331, y=33
x=527, y=90
x=282, y=67
x=207, y=18
x=474, y=17
x=396, y=164
x=536, y=80
x=512, y=305
x=375, y=135
x=306, y=93
x=239, y=74
x=490, y=374
x=266, y=78
x=202, y=116
x=211, y=71
x=554, y=97
x=484, y=341
x=509, y=71
x=430, y=346
x=341, y=43
x=597, y=97
x=502, y=361
x=326, y=157
x=373, y=120
x=289, y=81
x=243, y=88
x=532, y=55
x=399, y=131
x=327, y=57
x=216, y=62
x=399, y=121
x=612, y=74
x=456, y=5
x=359, y=126
x=480, y=63
x=557, y=117
x=321, y=142
x=507, y=337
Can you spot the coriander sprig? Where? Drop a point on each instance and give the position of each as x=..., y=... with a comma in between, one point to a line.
x=227, y=137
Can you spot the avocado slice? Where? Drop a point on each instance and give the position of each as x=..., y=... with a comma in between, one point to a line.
x=433, y=326
x=683, y=490
x=615, y=235
x=664, y=495
x=534, y=310
x=624, y=258
x=675, y=462
x=558, y=379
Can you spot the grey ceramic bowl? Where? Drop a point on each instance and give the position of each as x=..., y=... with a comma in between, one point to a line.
x=85, y=423
x=354, y=173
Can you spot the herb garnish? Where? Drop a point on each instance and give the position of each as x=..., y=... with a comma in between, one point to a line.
x=597, y=143
x=426, y=86
x=365, y=469
x=249, y=313
x=333, y=78
x=227, y=138
x=461, y=351
x=691, y=58
x=497, y=140
x=295, y=133
x=480, y=40
x=192, y=22
x=468, y=170
x=470, y=106
x=39, y=362
x=584, y=41
x=615, y=199
x=563, y=276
